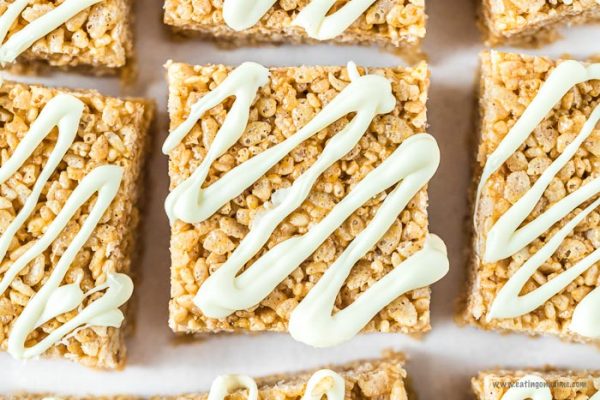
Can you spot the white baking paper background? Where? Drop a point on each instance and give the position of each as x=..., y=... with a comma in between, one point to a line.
x=441, y=364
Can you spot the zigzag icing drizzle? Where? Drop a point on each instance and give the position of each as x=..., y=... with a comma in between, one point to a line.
x=535, y=388
x=37, y=29
x=507, y=237
x=228, y=384
x=243, y=14
x=53, y=298
x=409, y=169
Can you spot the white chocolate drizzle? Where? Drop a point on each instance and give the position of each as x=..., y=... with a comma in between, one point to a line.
x=54, y=298
x=333, y=383
x=37, y=29
x=408, y=169
x=507, y=237
x=243, y=14
x=535, y=388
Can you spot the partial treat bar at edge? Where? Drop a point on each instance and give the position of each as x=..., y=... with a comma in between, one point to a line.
x=383, y=379
x=292, y=97
x=112, y=131
x=509, y=83
x=529, y=23
x=396, y=25
x=563, y=384
x=97, y=40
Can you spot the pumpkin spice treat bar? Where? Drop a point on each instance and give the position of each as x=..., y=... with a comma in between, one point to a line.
x=383, y=379
x=313, y=183
x=69, y=183
x=535, y=251
x=91, y=35
x=398, y=25
x=543, y=384
x=531, y=23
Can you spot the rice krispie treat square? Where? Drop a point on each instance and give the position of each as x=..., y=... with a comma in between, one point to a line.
x=532, y=23
x=92, y=35
x=534, y=266
x=398, y=25
x=69, y=184
x=285, y=103
x=557, y=384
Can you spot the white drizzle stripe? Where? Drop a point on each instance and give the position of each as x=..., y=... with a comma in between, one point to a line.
x=52, y=300
x=227, y=384
x=62, y=111
x=185, y=201
x=507, y=237
x=508, y=303
x=243, y=14
x=37, y=29
x=240, y=15
x=529, y=387
x=312, y=322
x=366, y=96
x=318, y=25
x=409, y=167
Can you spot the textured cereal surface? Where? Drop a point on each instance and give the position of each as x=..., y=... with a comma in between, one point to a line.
x=112, y=131
x=374, y=379
x=99, y=36
x=286, y=103
x=533, y=22
x=509, y=83
x=382, y=379
x=388, y=23
x=564, y=385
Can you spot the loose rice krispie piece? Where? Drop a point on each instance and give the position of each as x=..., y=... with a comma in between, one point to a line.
x=509, y=83
x=113, y=132
x=98, y=39
x=398, y=25
x=563, y=384
x=291, y=98
x=532, y=23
